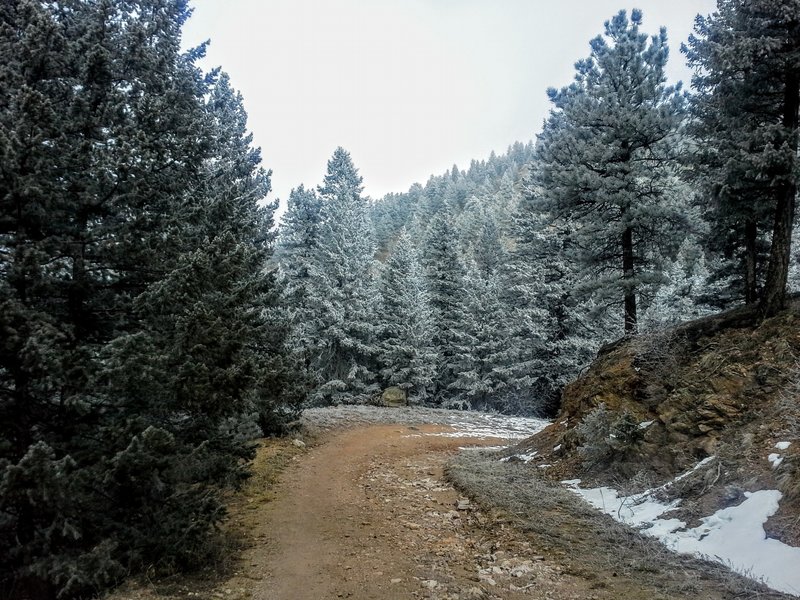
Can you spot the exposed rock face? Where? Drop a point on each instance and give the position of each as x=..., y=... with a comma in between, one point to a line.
x=394, y=396
x=727, y=385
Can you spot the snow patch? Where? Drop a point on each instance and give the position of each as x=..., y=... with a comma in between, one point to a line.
x=775, y=459
x=645, y=424
x=486, y=425
x=783, y=445
x=733, y=536
x=526, y=458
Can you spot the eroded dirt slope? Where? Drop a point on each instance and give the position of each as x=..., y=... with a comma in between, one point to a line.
x=726, y=386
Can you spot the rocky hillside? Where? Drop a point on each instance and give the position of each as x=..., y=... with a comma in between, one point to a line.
x=652, y=407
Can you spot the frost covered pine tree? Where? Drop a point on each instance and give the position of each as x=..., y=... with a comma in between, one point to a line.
x=445, y=278
x=134, y=307
x=606, y=162
x=747, y=57
x=478, y=379
x=250, y=316
x=550, y=335
x=342, y=305
x=295, y=254
x=405, y=324
x=680, y=297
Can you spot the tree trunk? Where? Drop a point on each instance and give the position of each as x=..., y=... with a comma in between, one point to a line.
x=774, y=297
x=750, y=278
x=627, y=275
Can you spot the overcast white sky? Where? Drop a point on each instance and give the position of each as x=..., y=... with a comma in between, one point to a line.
x=409, y=87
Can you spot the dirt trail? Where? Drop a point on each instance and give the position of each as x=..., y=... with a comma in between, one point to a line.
x=367, y=515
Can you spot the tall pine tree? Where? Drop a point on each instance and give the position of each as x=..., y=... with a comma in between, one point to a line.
x=343, y=298
x=295, y=254
x=405, y=324
x=445, y=276
x=747, y=57
x=606, y=162
x=135, y=315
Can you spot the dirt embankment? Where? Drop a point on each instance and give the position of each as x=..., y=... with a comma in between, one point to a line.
x=726, y=386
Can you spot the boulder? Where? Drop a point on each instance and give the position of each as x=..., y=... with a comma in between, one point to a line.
x=394, y=396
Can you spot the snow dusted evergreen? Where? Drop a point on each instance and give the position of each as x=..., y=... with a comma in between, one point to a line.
x=445, y=277
x=479, y=380
x=405, y=324
x=296, y=253
x=141, y=339
x=551, y=332
x=343, y=302
x=746, y=109
x=607, y=162
x=681, y=297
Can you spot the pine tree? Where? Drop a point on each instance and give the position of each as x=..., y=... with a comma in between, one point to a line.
x=680, y=298
x=606, y=162
x=405, y=324
x=445, y=279
x=478, y=380
x=747, y=57
x=550, y=334
x=135, y=315
x=295, y=254
x=342, y=303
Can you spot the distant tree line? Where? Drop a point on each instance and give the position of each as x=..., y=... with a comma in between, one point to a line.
x=639, y=206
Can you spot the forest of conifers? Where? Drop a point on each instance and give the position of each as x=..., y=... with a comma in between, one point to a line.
x=154, y=320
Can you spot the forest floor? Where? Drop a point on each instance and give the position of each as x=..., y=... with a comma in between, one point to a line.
x=365, y=509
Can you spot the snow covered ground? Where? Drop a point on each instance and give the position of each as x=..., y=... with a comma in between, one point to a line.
x=733, y=536
x=465, y=424
x=490, y=425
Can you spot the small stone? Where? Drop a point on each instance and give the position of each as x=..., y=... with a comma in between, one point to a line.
x=430, y=584
x=298, y=443
x=396, y=580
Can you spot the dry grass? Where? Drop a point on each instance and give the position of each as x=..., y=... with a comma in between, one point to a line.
x=233, y=538
x=616, y=558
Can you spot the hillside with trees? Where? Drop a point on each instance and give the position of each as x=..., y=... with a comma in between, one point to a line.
x=636, y=208
x=155, y=320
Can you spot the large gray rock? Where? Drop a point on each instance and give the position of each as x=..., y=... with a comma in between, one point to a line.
x=394, y=396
